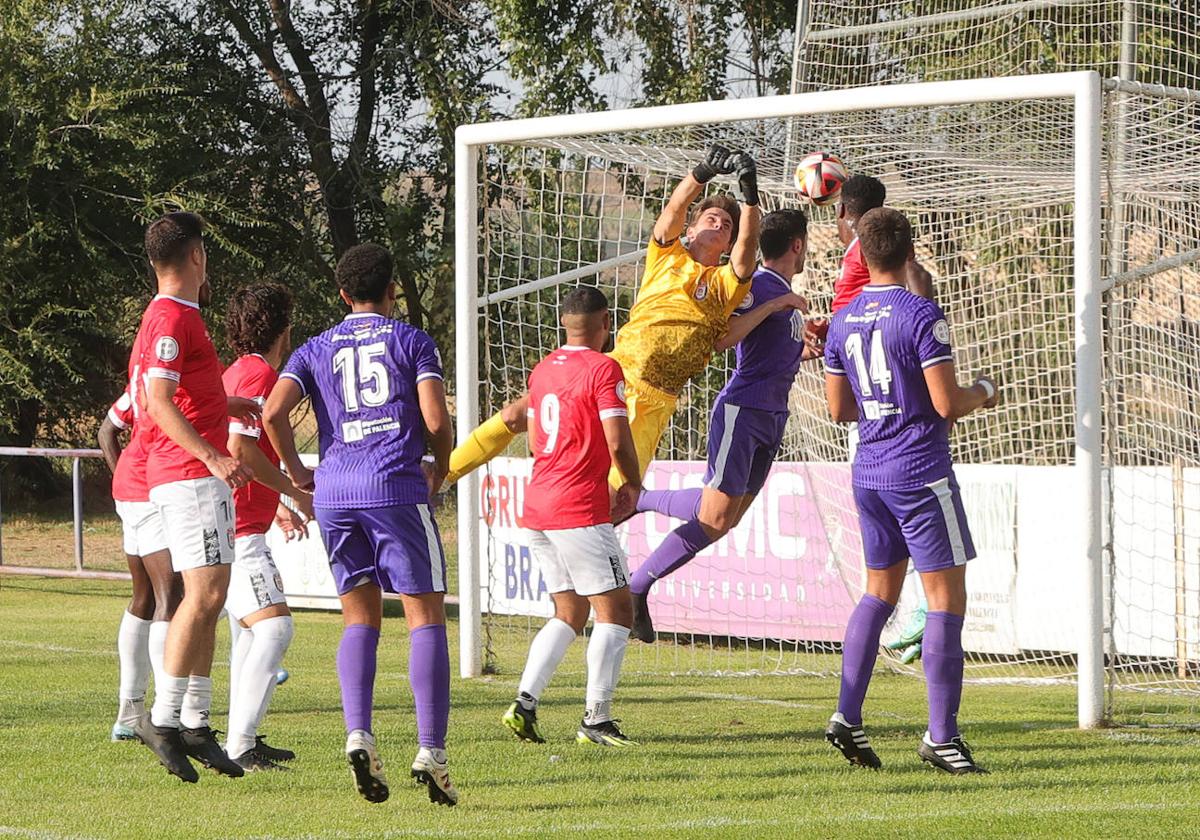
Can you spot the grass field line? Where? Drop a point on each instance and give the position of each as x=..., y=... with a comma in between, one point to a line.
x=55, y=649
x=747, y=698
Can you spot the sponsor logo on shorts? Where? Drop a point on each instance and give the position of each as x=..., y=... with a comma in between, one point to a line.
x=618, y=572
x=278, y=582
x=212, y=548
x=167, y=349
x=262, y=594
x=701, y=291
x=229, y=538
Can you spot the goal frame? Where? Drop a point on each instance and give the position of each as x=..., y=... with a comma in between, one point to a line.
x=1082, y=88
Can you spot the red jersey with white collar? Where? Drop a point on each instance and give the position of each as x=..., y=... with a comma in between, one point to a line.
x=129, y=478
x=253, y=377
x=853, y=276
x=571, y=392
x=174, y=344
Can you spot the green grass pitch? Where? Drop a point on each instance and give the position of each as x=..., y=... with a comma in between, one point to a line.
x=721, y=757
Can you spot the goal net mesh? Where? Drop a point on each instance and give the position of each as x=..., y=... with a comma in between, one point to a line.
x=989, y=188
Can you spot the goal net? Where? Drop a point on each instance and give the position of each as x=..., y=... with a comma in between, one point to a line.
x=989, y=173
x=1152, y=570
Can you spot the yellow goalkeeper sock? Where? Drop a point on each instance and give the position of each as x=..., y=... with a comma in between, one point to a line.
x=488, y=440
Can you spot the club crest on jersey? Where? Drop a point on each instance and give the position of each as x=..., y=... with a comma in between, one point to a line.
x=167, y=349
x=941, y=331
x=701, y=291
x=621, y=391
x=747, y=302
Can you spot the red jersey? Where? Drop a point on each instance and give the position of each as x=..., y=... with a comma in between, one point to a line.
x=570, y=392
x=853, y=277
x=253, y=378
x=129, y=479
x=174, y=344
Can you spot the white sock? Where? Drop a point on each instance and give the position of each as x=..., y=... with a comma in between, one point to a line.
x=168, y=699
x=156, y=645
x=134, y=657
x=197, y=702
x=256, y=682
x=605, y=653
x=240, y=640
x=546, y=651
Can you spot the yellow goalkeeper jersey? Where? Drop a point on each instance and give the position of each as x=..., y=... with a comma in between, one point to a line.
x=681, y=309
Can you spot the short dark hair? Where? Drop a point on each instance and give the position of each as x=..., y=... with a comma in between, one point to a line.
x=885, y=237
x=861, y=193
x=780, y=228
x=257, y=316
x=171, y=238
x=584, y=300
x=364, y=272
x=723, y=201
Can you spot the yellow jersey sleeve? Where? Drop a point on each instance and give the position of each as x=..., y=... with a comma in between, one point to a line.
x=725, y=285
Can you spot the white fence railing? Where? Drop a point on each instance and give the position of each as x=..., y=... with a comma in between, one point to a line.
x=76, y=456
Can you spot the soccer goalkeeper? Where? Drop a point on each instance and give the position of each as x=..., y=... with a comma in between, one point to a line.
x=682, y=309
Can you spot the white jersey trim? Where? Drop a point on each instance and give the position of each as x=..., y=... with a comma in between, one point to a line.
x=937, y=360
x=428, y=375
x=163, y=373
x=116, y=421
x=608, y=413
x=289, y=375
x=239, y=428
x=835, y=371
x=190, y=303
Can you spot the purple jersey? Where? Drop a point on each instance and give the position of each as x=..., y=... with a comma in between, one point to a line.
x=882, y=341
x=767, y=358
x=362, y=378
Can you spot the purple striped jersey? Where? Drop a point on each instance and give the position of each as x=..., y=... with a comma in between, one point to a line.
x=769, y=357
x=882, y=341
x=362, y=377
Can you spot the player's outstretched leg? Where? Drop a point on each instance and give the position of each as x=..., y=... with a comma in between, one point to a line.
x=429, y=675
x=546, y=652
x=859, y=651
x=679, y=547
x=678, y=504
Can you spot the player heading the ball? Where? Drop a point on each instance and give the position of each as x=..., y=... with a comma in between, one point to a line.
x=579, y=430
x=889, y=366
x=682, y=308
x=376, y=390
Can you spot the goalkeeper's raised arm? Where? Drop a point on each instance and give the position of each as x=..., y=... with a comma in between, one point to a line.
x=683, y=305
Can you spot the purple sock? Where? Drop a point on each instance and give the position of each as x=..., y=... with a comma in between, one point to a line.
x=356, y=658
x=859, y=650
x=942, y=656
x=429, y=674
x=680, y=546
x=680, y=504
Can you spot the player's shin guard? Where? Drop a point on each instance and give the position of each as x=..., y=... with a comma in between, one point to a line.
x=356, y=659
x=679, y=504
x=942, y=655
x=488, y=440
x=680, y=546
x=132, y=639
x=269, y=639
x=429, y=674
x=546, y=651
x=605, y=655
x=859, y=650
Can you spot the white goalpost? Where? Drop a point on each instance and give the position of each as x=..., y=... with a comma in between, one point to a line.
x=542, y=204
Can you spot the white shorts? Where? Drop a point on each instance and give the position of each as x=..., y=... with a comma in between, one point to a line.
x=197, y=519
x=141, y=527
x=254, y=582
x=587, y=560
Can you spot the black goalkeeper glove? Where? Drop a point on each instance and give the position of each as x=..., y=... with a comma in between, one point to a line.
x=747, y=175
x=718, y=161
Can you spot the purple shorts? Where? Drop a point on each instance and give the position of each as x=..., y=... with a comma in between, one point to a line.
x=927, y=524
x=742, y=445
x=398, y=548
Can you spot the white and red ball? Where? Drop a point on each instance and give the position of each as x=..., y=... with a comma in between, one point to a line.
x=819, y=177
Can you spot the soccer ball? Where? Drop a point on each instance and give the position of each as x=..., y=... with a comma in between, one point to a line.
x=819, y=177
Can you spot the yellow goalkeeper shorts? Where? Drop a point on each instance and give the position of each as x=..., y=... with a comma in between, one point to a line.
x=650, y=411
